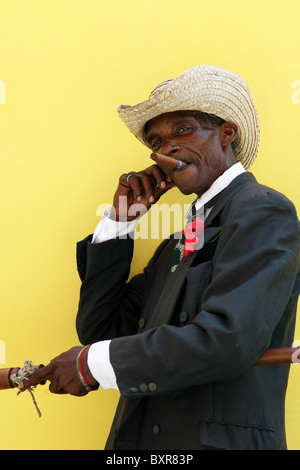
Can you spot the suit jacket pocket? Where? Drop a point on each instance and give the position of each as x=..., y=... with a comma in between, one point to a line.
x=198, y=278
x=227, y=436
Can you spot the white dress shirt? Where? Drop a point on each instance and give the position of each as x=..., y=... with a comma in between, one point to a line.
x=107, y=229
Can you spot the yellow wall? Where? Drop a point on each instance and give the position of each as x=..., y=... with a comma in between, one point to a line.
x=65, y=65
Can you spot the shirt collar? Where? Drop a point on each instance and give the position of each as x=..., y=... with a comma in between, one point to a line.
x=218, y=185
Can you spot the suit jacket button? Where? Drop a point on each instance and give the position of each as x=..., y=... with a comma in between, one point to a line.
x=142, y=323
x=143, y=387
x=156, y=430
x=152, y=387
x=183, y=317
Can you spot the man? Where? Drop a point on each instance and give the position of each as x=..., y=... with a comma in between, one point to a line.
x=180, y=340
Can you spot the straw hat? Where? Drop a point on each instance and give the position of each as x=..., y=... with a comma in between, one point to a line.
x=208, y=89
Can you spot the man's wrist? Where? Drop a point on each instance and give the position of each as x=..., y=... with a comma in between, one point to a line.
x=86, y=370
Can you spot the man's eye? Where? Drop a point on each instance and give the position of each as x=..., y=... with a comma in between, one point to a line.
x=156, y=145
x=184, y=129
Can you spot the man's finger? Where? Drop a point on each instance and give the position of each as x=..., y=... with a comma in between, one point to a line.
x=147, y=188
x=136, y=186
x=158, y=192
x=158, y=176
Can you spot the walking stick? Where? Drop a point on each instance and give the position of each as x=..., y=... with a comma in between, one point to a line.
x=12, y=377
x=277, y=356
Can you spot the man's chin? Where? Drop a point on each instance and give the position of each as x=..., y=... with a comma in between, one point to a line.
x=185, y=191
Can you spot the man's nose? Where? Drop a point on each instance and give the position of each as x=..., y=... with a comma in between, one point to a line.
x=169, y=148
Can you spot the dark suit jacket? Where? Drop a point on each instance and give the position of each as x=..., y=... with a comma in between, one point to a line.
x=184, y=344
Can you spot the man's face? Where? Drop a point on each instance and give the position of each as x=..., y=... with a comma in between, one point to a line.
x=180, y=135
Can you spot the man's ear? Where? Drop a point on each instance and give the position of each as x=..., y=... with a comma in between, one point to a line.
x=228, y=132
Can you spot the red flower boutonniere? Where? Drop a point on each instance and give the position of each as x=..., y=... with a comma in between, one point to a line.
x=190, y=233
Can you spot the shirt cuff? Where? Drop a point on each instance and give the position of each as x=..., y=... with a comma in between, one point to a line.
x=100, y=366
x=108, y=229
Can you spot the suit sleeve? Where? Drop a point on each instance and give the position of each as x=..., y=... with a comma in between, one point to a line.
x=253, y=279
x=109, y=303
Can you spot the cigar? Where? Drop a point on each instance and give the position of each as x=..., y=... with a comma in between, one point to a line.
x=170, y=161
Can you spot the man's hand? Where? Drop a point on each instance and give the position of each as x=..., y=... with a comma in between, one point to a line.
x=62, y=373
x=138, y=190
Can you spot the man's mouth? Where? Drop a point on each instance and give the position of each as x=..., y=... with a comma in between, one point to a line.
x=182, y=165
